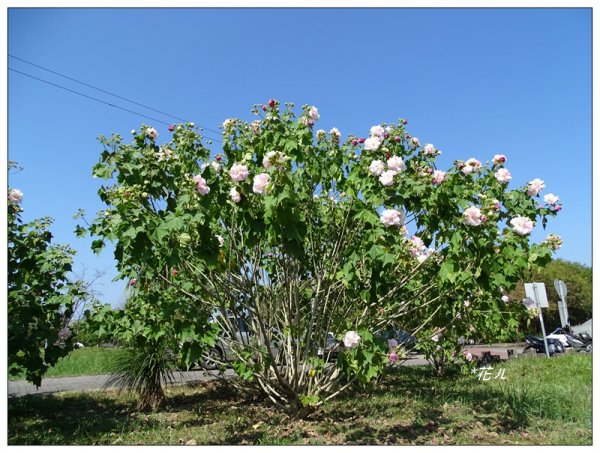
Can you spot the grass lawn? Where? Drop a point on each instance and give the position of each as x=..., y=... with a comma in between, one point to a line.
x=541, y=402
x=80, y=362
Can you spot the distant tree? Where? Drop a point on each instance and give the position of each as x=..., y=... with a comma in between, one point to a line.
x=578, y=279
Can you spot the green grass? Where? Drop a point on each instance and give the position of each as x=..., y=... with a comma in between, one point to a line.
x=541, y=402
x=80, y=362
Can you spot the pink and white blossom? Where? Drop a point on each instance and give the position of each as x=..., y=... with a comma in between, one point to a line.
x=396, y=164
x=392, y=343
x=522, y=225
x=438, y=177
x=377, y=131
x=313, y=113
x=503, y=175
x=505, y=299
x=235, y=196
x=351, y=339
x=267, y=159
x=260, y=183
x=151, y=133
x=227, y=124
x=429, y=149
x=376, y=168
x=469, y=357
x=392, y=217
x=472, y=216
x=417, y=245
x=201, y=185
x=15, y=196
x=238, y=172
x=435, y=338
x=535, y=187
x=372, y=143
x=553, y=241
x=414, y=142
x=499, y=159
x=335, y=132
x=467, y=303
x=216, y=166
x=551, y=198
x=472, y=165
x=387, y=177
x=393, y=357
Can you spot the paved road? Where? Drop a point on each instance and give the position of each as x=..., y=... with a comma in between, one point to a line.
x=98, y=382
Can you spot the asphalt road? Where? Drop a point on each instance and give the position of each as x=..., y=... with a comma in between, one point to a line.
x=98, y=382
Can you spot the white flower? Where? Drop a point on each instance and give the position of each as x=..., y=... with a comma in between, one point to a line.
x=472, y=165
x=535, y=187
x=505, y=299
x=238, y=172
x=503, y=175
x=267, y=159
x=152, y=133
x=201, y=185
x=376, y=168
x=414, y=142
x=429, y=149
x=522, y=225
x=392, y=217
x=15, y=196
x=216, y=166
x=553, y=241
x=260, y=183
x=377, y=131
x=335, y=132
x=396, y=164
x=438, y=177
x=227, y=124
x=435, y=338
x=387, y=177
x=235, y=196
x=472, y=216
x=133, y=132
x=372, y=143
x=351, y=339
x=313, y=113
x=551, y=198
x=466, y=303
x=221, y=240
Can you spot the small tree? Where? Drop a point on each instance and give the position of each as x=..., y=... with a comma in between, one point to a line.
x=300, y=234
x=40, y=295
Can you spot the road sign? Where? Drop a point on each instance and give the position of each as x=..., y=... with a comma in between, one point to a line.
x=537, y=291
x=561, y=288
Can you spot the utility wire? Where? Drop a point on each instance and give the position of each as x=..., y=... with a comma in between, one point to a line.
x=100, y=100
x=106, y=92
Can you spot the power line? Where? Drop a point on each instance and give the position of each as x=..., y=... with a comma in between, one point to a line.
x=99, y=100
x=106, y=92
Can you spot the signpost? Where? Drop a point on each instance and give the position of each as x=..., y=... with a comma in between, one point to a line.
x=563, y=312
x=537, y=292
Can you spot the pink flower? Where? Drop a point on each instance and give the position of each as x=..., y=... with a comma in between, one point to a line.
x=417, y=246
x=238, y=172
x=396, y=164
x=235, y=196
x=499, y=159
x=335, y=132
x=132, y=282
x=392, y=217
x=393, y=357
x=472, y=165
x=267, y=159
x=435, y=338
x=503, y=175
x=551, y=199
x=377, y=131
x=272, y=103
x=372, y=143
x=313, y=113
x=429, y=149
x=64, y=333
x=260, y=183
x=438, y=177
x=505, y=299
x=201, y=185
x=387, y=177
x=351, y=339
x=392, y=343
x=469, y=357
x=522, y=225
x=535, y=187
x=171, y=127
x=414, y=142
x=472, y=216
x=376, y=168
x=15, y=196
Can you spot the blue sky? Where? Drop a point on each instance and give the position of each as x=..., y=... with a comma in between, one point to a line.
x=474, y=82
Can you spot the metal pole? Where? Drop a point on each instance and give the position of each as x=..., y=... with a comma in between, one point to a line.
x=541, y=319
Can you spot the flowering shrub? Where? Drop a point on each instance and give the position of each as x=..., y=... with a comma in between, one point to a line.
x=303, y=233
x=40, y=295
